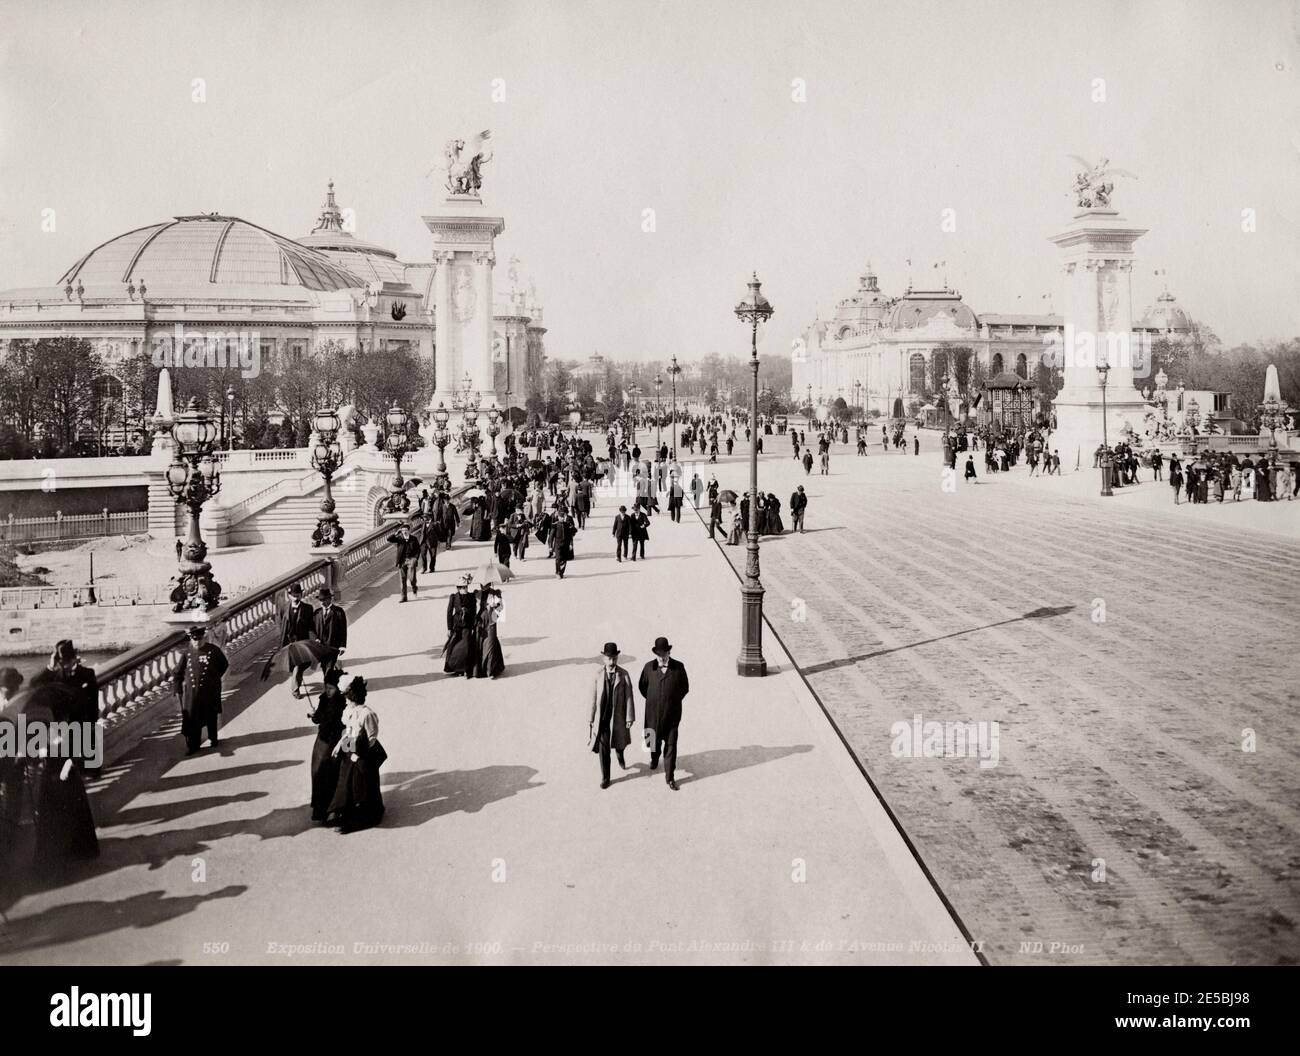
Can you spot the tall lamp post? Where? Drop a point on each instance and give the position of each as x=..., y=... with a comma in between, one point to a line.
x=326, y=457
x=441, y=438
x=398, y=443
x=469, y=430
x=674, y=370
x=659, y=435
x=634, y=391
x=1103, y=370
x=494, y=415
x=754, y=309
x=193, y=479
x=1273, y=415
x=857, y=399
x=230, y=415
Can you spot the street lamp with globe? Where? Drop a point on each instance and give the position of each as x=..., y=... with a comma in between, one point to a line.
x=1103, y=371
x=398, y=443
x=326, y=457
x=192, y=479
x=441, y=438
x=754, y=310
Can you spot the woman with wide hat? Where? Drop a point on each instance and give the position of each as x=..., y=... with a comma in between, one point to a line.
x=357, y=802
x=491, y=608
x=461, y=648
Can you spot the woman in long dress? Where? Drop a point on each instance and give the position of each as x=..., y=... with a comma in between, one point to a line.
x=357, y=802
x=328, y=717
x=461, y=649
x=491, y=607
x=478, y=527
x=737, y=528
x=775, y=526
x=65, y=827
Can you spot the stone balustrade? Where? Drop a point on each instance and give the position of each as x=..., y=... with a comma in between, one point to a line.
x=135, y=688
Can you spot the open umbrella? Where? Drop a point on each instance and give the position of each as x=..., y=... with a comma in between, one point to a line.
x=511, y=495
x=493, y=572
x=309, y=652
x=727, y=496
x=412, y=482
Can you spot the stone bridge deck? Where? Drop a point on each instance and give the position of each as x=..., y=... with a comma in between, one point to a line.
x=498, y=846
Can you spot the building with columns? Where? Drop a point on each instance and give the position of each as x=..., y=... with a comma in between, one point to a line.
x=884, y=353
x=208, y=278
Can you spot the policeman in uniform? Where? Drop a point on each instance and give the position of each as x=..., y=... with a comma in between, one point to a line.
x=198, y=684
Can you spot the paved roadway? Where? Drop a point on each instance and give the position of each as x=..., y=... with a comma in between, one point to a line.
x=498, y=845
x=1121, y=729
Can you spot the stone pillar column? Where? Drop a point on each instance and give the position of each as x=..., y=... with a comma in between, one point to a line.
x=1097, y=260
x=445, y=378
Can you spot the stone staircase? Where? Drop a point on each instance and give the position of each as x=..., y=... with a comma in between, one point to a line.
x=291, y=517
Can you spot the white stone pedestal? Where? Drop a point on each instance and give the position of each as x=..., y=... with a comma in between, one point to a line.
x=463, y=248
x=1097, y=258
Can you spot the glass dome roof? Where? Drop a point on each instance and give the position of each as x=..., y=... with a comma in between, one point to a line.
x=208, y=249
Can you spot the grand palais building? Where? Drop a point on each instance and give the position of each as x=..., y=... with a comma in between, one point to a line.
x=195, y=276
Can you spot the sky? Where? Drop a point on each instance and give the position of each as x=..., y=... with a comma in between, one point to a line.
x=798, y=140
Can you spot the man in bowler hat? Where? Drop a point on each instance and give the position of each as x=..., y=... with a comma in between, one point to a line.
x=613, y=711
x=664, y=685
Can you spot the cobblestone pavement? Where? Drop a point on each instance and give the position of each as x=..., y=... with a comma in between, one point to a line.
x=1125, y=654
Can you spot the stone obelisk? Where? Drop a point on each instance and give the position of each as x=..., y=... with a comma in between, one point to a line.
x=463, y=249
x=1097, y=259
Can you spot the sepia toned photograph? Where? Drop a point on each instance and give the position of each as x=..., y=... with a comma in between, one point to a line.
x=617, y=484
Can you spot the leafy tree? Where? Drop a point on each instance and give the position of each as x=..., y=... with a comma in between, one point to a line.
x=65, y=387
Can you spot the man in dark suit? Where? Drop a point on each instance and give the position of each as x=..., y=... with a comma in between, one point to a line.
x=798, y=504
x=664, y=685
x=676, y=496
x=622, y=531
x=640, y=531
x=65, y=668
x=332, y=630
x=406, y=555
x=197, y=682
x=298, y=625
x=613, y=711
x=715, y=514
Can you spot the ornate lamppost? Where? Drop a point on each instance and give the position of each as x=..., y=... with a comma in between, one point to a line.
x=754, y=309
x=634, y=391
x=469, y=432
x=1273, y=415
x=674, y=370
x=1103, y=369
x=857, y=399
x=493, y=428
x=326, y=457
x=230, y=415
x=809, y=403
x=659, y=439
x=398, y=443
x=193, y=479
x=441, y=438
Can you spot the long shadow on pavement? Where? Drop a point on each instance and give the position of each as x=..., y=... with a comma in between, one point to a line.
x=719, y=761
x=83, y=920
x=846, y=661
x=416, y=796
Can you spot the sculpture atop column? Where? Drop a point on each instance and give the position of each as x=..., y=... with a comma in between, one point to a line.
x=465, y=163
x=1097, y=259
x=463, y=248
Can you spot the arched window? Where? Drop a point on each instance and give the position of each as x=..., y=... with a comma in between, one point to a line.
x=1022, y=366
x=916, y=373
x=995, y=364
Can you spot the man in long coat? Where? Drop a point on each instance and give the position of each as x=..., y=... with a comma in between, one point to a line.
x=562, y=543
x=613, y=711
x=298, y=625
x=407, y=544
x=622, y=531
x=664, y=685
x=331, y=629
x=197, y=682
